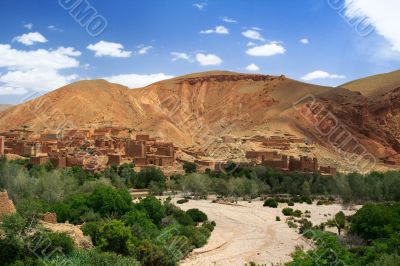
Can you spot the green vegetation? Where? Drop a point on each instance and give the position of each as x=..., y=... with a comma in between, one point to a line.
x=376, y=230
x=272, y=203
x=287, y=211
x=149, y=232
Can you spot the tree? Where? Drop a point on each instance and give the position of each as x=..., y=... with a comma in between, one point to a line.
x=116, y=237
x=109, y=201
x=147, y=175
x=339, y=222
x=197, y=215
x=153, y=208
x=189, y=167
x=141, y=224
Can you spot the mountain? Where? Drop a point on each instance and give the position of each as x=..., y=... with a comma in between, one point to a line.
x=196, y=110
x=375, y=85
x=4, y=107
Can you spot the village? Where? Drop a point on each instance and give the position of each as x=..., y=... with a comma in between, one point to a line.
x=96, y=149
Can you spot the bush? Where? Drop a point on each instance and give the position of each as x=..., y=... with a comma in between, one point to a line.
x=272, y=203
x=181, y=201
x=141, y=224
x=297, y=213
x=148, y=175
x=116, y=237
x=305, y=225
x=291, y=224
x=291, y=203
x=91, y=257
x=189, y=167
x=154, y=209
x=197, y=215
x=277, y=218
x=92, y=229
x=287, y=211
x=150, y=254
x=48, y=243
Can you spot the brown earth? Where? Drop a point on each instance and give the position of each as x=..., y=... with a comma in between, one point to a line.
x=196, y=110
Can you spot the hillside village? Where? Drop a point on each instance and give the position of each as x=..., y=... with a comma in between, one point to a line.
x=96, y=149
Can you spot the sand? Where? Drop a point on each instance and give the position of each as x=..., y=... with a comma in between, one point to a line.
x=248, y=232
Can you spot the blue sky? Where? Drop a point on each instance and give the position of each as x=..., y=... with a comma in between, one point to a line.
x=43, y=46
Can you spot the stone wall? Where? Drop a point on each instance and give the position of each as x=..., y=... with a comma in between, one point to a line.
x=6, y=205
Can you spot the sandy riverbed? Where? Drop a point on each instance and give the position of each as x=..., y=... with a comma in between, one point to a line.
x=248, y=232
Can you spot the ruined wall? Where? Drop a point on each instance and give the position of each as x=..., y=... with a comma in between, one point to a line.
x=2, y=145
x=6, y=205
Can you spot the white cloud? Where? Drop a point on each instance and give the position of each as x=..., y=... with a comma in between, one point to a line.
x=253, y=34
x=217, y=30
x=305, y=41
x=251, y=44
x=269, y=49
x=228, y=20
x=12, y=91
x=144, y=49
x=200, y=6
x=208, y=59
x=180, y=56
x=112, y=49
x=36, y=79
x=54, y=28
x=62, y=57
x=36, y=69
x=383, y=15
x=30, y=38
x=320, y=74
x=29, y=26
x=137, y=81
x=252, y=67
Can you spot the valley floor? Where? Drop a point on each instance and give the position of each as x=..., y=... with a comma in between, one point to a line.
x=248, y=232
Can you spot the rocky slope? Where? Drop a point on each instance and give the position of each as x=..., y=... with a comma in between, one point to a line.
x=197, y=109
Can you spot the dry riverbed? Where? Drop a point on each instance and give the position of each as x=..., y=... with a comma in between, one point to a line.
x=248, y=232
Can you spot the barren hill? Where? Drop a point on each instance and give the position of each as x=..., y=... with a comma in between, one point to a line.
x=375, y=85
x=197, y=109
x=4, y=107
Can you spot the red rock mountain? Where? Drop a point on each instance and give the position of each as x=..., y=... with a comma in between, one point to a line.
x=195, y=110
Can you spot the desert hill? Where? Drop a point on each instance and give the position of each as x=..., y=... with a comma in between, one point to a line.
x=375, y=85
x=4, y=107
x=196, y=110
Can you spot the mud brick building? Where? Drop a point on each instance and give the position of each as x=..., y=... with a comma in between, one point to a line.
x=281, y=163
x=328, y=170
x=304, y=164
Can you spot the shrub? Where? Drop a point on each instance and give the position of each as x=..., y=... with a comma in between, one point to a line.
x=287, y=211
x=197, y=215
x=92, y=229
x=141, y=225
x=154, y=209
x=277, y=218
x=181, y=201
x=272, y=203
x=47, y=243
x=183, y=218
x=297, y=213
x=116, y=237
x=290, y=203
x=291, y=224
x=305, y=225
x=189, y=167
x=149, y=253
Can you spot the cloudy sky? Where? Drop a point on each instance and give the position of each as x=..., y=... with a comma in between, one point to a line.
x=49, y=43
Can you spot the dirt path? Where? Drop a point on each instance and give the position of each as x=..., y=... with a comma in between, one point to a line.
x=249, y=232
